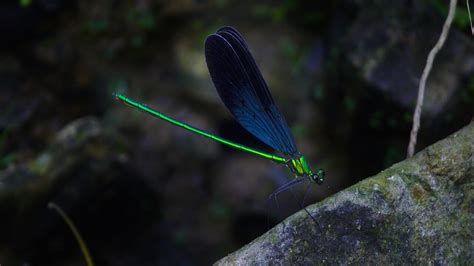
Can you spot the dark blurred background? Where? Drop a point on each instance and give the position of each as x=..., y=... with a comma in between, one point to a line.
x=143, y=192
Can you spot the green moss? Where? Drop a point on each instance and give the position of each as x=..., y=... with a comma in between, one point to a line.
x=273, y=236
x=411, y=224
x=419, y=194
x=41, y=164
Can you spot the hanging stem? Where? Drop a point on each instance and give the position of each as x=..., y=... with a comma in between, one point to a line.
x=75, y=231
x=470, y=19
x=424, y=77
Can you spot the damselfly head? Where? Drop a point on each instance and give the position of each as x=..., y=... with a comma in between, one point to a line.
x=318, y=177
x=300, y=167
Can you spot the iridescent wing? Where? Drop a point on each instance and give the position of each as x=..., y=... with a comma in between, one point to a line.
x=243, y=90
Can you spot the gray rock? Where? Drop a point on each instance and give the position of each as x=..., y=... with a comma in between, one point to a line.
x=390, y=54
x=84, y=172
x=419, y=211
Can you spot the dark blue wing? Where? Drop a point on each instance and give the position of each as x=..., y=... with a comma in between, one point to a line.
x=243, y=90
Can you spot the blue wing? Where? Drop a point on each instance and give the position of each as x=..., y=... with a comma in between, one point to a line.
x=243, y=90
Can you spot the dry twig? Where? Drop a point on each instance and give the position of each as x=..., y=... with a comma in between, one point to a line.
x=470, y=19
x=426, y=71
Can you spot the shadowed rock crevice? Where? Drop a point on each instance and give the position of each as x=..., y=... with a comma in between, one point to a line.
x=417, y=211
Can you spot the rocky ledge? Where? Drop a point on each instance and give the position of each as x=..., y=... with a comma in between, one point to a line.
x=418, y=211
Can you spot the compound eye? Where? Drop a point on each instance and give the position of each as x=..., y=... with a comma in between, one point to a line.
x=319, y=176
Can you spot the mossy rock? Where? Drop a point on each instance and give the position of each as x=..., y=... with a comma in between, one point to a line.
x=418, y=211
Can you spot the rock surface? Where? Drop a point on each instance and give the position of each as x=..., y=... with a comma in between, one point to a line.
x=84, y=172
x=419, y=211
x=391, y=54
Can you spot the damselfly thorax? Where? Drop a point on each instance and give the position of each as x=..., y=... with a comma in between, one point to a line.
x=300, y=167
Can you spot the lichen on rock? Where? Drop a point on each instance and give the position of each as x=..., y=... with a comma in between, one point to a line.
x=418, y=211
